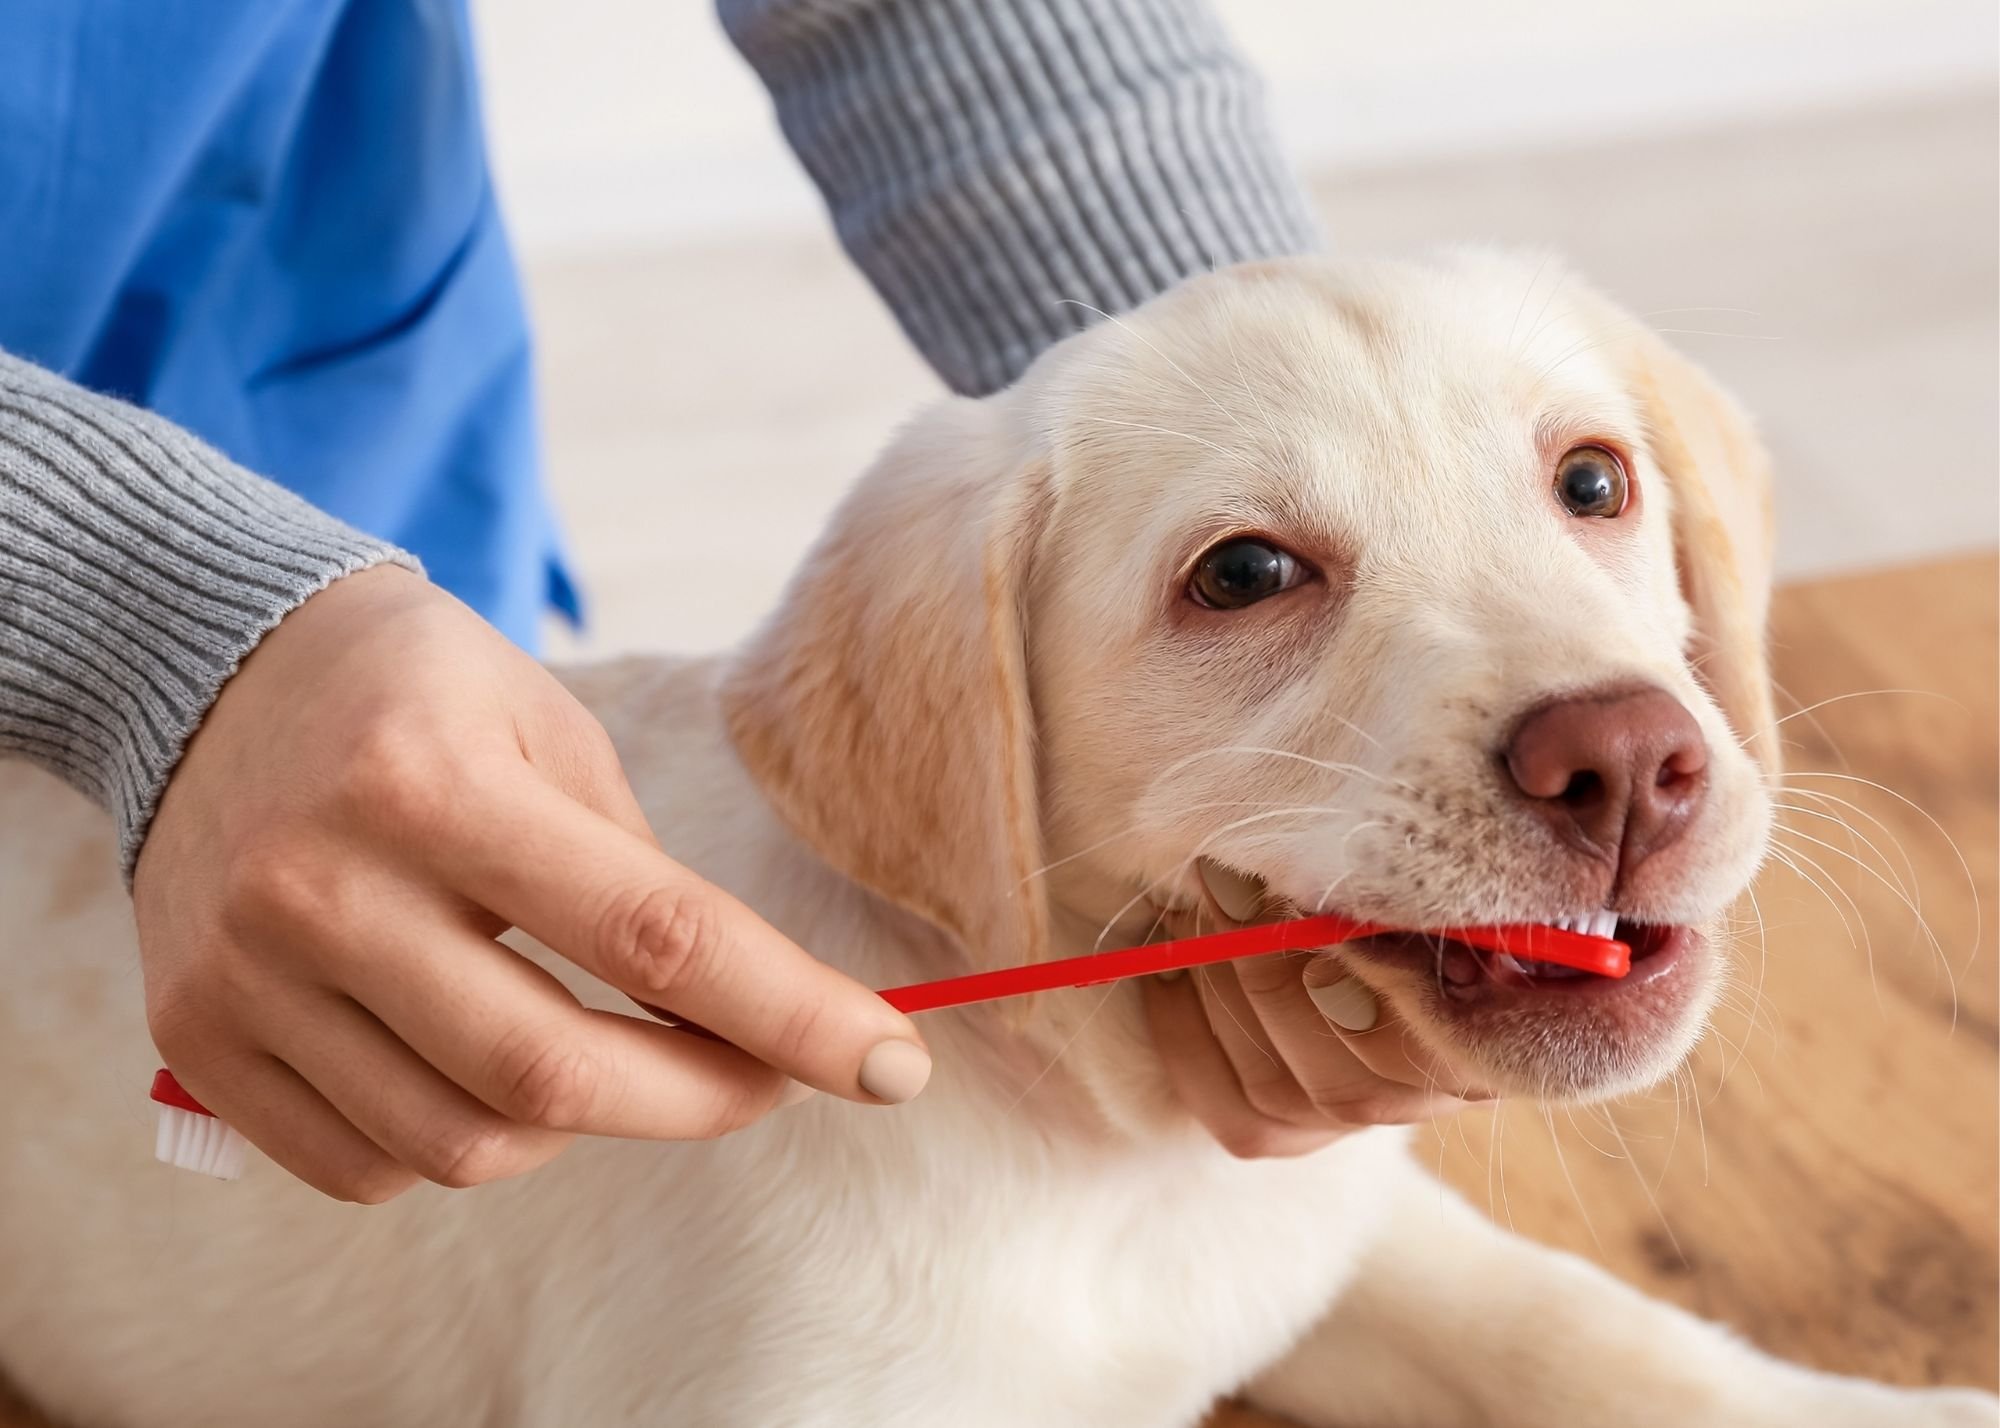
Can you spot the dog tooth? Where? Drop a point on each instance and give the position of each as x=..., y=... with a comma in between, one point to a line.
x=1239, y=895
x=1513, y=963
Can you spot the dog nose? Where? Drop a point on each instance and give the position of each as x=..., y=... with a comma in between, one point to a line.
x=1616, y=773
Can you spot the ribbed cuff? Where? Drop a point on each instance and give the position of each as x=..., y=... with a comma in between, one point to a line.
x=137, y=569
x=1000, y=169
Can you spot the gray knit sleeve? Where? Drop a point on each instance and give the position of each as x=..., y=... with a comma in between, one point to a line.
x=1000, y=168
x=137, y=569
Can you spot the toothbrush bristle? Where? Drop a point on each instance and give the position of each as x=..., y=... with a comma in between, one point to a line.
x=199, y=1143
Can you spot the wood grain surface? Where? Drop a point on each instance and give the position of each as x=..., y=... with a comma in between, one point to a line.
x=1823, y=1178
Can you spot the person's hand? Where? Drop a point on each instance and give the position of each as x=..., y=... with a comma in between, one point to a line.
x=385, y=786
x=1281, y=1055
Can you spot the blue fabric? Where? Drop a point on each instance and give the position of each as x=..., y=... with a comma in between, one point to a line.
x=273, y=222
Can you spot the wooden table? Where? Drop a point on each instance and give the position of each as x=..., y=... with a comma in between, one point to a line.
x=1834, y=1199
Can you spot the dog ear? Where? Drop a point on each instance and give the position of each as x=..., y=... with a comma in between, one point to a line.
x=884, y=708
x=1719, y=477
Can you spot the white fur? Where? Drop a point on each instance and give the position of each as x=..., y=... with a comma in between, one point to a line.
x=1041, y=1239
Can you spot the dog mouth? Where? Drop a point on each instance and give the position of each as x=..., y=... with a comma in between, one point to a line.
x=1534, y=1028
x=1520, y=1024
x=1471, y=978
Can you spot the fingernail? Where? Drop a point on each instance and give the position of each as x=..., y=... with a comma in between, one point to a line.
x=1240, y=896
x=1347, y=1004
x=794, y=1093
x=894, y=1071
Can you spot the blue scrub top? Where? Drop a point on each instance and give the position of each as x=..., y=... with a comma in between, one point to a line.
x=272, y=221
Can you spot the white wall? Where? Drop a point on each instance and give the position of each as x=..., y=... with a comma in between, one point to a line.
x=619, y=122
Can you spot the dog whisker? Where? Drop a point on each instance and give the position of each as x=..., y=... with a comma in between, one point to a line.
x=1870, y=694
x=1081, y=1027
x=1134, y=824
x=1595, y=1113
x=1701, y=1127
x=1542, y=313
x=1909, y=867
x=1910, y=892
x=1250, y=390
x=1166, y=431
x=1707, y=332
x=1562, y=1163
x=1650, y=1192
x=1915, y=910
x=1534, y=280
x=1201, y=849
x=1575, y=350
x=1831, y=800
x=1133, y=332
x=1670, y=311
x=1326, y=893
x=1756, y=991
x=1964, y=867
x=1827, y=886
x=1261, y=751
x=1679, y=1088
x=1208, y=975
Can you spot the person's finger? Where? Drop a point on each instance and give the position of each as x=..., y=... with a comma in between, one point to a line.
x=1329, y=1073
x=1204, y=1081
x=1268, y=1082
x=1383, y=1043
x=401, y=1102
x=622, y=910
x=567, y=746
x=514, y=1038
x=274, y=1108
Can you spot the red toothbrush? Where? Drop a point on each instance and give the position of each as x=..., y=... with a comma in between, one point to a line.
x=1601, y=955
x=190, y=1136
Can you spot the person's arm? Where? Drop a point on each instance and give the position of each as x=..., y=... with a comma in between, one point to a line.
x=1000, y=169
x=137, y=569
x=336, y=786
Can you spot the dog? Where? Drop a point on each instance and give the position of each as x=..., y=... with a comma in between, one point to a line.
x=1432, y=591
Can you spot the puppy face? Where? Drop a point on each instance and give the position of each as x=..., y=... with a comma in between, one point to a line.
x=1385, y=585
x=1343, y=569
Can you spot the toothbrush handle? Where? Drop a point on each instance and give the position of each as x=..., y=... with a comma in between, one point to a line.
x=1600, y=955
x=1298, y=935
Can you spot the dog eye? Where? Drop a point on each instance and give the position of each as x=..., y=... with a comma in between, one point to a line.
x=1590, y=481
x=1241, y=572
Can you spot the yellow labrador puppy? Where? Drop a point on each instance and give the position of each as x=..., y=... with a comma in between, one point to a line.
x=1377, y=584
